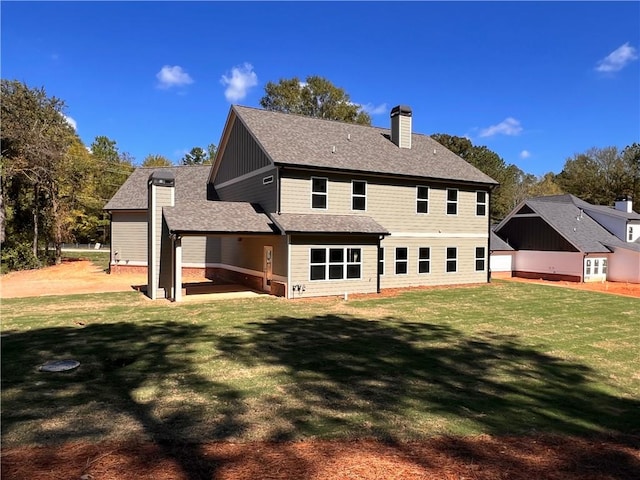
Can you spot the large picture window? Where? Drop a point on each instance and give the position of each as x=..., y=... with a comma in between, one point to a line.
x=424, y=260
x=481, y=204
x=480, y=260
x=452, y=201
x=335, y=263
x=402, y=261
x=358, y=195
x=319, y=192
x=452, y=259
x=422, y=200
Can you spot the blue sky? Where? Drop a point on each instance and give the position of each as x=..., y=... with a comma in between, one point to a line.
x=535, y=82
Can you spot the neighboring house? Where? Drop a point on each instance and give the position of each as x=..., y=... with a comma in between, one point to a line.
x=561, y=237
x=500, y=256
x=299, y=206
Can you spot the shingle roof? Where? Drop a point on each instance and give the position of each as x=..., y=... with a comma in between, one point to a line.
x=301, y=141
x=567, y=215
x=497, y=244
x=321, y=223
x=191, y=185
x=215, y=217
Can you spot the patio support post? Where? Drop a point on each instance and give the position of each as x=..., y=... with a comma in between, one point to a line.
x=177, y=269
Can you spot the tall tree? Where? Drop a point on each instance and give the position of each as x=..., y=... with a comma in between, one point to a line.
x=115, y=167
x=631, y=159
x=156, y=161
x=316, y=97
x=35, y=138
x=196, y=156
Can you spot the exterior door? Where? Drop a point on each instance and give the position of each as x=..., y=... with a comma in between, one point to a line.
x=267, y=268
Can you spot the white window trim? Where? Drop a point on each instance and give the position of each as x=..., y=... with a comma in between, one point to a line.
x=345, y=263
x=395, y=261
x=418, y=199
x=449, y=201
x=423, y=260
x=326, y=194
x=354, y=195
x=485, y=203
x=447, y=260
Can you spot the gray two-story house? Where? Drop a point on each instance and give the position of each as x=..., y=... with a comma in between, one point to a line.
x=300, y=207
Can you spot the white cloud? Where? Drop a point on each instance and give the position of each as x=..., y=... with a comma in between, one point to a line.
x=618, y=59
x=70, y=121
x=169, y=76
x=509, y=126
x=373, y=109
x=525, y=154
x=242, y=79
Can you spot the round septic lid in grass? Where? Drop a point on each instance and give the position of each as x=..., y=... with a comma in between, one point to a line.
x=59, y=365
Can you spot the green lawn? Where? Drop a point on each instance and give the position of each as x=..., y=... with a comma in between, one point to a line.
x=99, y=257
x=502, y=358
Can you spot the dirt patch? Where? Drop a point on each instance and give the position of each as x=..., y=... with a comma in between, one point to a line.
x=615, y=288
x=477, y=458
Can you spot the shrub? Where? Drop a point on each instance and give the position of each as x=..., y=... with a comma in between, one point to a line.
x=18, y=257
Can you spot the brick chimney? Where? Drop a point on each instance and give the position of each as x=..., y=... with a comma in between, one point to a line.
x=624, y=204
x=401, y=126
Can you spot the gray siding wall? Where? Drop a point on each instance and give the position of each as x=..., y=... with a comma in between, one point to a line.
x=252, y=189
x=199, y=251
x=466, y=272
x=300, y=251
x=390, y=203
x=129, y=237
x=248, y=253
x=241, y=155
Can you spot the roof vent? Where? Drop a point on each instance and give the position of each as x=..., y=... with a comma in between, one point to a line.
x=401, y=126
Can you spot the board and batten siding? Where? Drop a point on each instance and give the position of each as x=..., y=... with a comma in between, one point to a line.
x=391, y=204
x=241, y=155
x=466, y=262
x=300, y=251
x=252, y=188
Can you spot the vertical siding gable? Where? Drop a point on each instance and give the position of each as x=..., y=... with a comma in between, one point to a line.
x=242, y=155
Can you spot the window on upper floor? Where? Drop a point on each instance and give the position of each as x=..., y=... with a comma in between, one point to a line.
x=402, y=261
x=481, y=204
x=480, y=260
x=452, y=260
x=335, y=263
x=319, y=192
x=422, y=199
x=452, y=201
x=424, y=260
x=358, y=195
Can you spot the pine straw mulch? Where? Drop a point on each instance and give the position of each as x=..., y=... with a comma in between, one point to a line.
x=469, y=458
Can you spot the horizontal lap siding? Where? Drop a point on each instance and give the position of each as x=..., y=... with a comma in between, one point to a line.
x=392, y=204
x=438, y=275
x=199, y=251
x=129, y=237
x=300, y=271
x=248, y=253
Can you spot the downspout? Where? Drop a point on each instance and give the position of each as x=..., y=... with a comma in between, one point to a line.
x=380, y=237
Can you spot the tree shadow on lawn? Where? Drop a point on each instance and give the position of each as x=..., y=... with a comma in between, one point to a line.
x=336, y=376
x=135, y=381
x=388, y=378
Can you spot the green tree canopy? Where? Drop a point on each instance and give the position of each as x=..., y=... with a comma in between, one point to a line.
x=156, y=161
x=316, y=97
x=200, y=156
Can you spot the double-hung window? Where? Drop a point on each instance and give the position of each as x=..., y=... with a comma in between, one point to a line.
x=424, y=260
x=422, y=199
x=402, y=261
x=452, y=201
x=335, y=263
x=481, y=204
x=452, y=259
x=319, y=192
x=358, y=195
x=480, y=260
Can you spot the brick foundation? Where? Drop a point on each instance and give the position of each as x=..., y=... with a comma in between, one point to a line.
x=555, y=277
